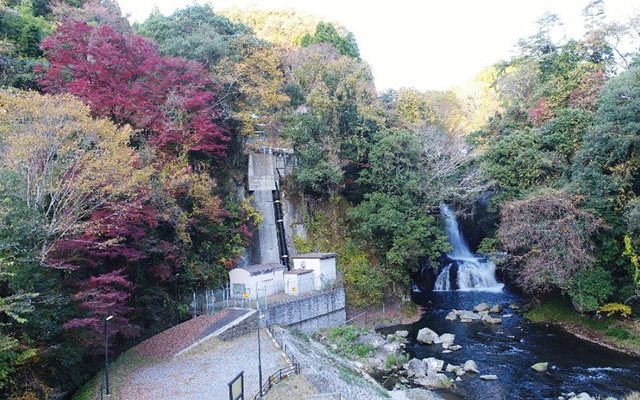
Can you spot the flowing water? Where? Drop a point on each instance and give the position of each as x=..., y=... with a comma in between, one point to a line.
x=464, y=270
x=508, y=350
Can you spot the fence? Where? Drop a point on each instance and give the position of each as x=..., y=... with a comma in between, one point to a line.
x=209, y=301
x=293, y=368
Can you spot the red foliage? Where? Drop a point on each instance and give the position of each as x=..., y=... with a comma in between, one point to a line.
x=586, y=95
x=102, y=296
x=123, y=77
x=540, y=113
x=116, y=249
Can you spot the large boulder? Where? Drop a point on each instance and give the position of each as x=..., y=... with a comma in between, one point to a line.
x=468, y=315
x=437, y=381
x=491, y=320
x=452, y=316
x=415, y=367
x=446, y=339
x=427, y=336
x=470, y=366
x=456, y=369
x=433, y=365
x=540, y=367
x=481, y=307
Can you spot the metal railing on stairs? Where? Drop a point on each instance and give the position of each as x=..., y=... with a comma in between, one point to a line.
x=282, y=373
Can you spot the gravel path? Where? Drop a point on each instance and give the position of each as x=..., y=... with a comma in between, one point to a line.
x=205, y=371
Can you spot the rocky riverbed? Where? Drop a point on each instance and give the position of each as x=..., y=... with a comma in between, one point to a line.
x=484, y=349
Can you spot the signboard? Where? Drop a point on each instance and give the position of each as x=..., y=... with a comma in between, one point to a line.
x=245, y=295
x=293, y=289
x=236, y=387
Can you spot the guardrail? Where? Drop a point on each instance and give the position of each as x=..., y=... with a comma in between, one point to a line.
x=282, y=373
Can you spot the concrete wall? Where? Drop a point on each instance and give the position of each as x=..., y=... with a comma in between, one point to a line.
x=268, y=283
x=311, y=313
x=324, y=270
x=264, y=243
x=303, y=283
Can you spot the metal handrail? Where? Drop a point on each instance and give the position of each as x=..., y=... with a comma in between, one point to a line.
x=282, y=373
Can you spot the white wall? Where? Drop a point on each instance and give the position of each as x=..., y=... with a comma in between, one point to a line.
x=324, y=270
x=297, y=284
x=267, y=284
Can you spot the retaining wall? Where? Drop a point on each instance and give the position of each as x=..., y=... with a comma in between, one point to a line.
x=310, y=313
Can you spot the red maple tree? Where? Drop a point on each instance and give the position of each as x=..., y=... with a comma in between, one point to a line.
x=124, y=77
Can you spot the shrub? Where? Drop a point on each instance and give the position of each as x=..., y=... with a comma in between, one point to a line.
x=612, y=308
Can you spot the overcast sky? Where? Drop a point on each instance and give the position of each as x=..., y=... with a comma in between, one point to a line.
x=423, y=44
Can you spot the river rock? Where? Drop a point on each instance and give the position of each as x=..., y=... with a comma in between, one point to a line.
x=447, y=351
x=496, y=309
x=490, y=320
x=540, y=367
x=427, y=336
x=446, y=339
x=455, y=369
x=489, y=377
x=437, y=381
x=470, y=366
x=433, y=365
x=455, y=347
x=452, y=316
x=481, y=307
x=415, y=367
x=468, y=315
x=514, y=306
x=402, y=334
x=372, y=339
x=393, y=348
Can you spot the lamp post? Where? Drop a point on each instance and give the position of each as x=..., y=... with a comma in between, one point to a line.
x=106, y=355
x=259, y=352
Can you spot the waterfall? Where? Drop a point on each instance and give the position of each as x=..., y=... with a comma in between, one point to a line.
x=470, y=271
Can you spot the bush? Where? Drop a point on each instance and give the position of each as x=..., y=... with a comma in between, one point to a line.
x=394, y=360
x=612, y=308
x=591, y=288
x=364, y=350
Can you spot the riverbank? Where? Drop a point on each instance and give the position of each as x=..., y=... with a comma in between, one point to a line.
x=621, y=335
x=387, y=316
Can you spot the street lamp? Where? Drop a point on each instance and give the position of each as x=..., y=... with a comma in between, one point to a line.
x=106, y=354
x=259, y=352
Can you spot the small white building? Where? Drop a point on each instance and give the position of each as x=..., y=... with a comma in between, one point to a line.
x=323, y=266
x=298, y=281
x=268, y=279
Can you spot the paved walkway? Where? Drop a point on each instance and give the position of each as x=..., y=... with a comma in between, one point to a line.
x=203, y=372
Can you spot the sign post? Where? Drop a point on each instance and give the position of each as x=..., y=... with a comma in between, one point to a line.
x=236, y=387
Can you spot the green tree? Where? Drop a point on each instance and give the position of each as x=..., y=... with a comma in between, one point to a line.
x=327, y=33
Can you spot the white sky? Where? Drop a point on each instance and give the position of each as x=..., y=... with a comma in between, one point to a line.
x=427, y=44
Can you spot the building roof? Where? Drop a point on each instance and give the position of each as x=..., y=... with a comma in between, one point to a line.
x=259, y=269
x=298, y=271
x=320, y=256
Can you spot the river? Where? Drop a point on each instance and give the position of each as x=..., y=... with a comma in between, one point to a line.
x=508, y=351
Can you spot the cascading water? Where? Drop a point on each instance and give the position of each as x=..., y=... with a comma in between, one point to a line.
x=468, y=271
